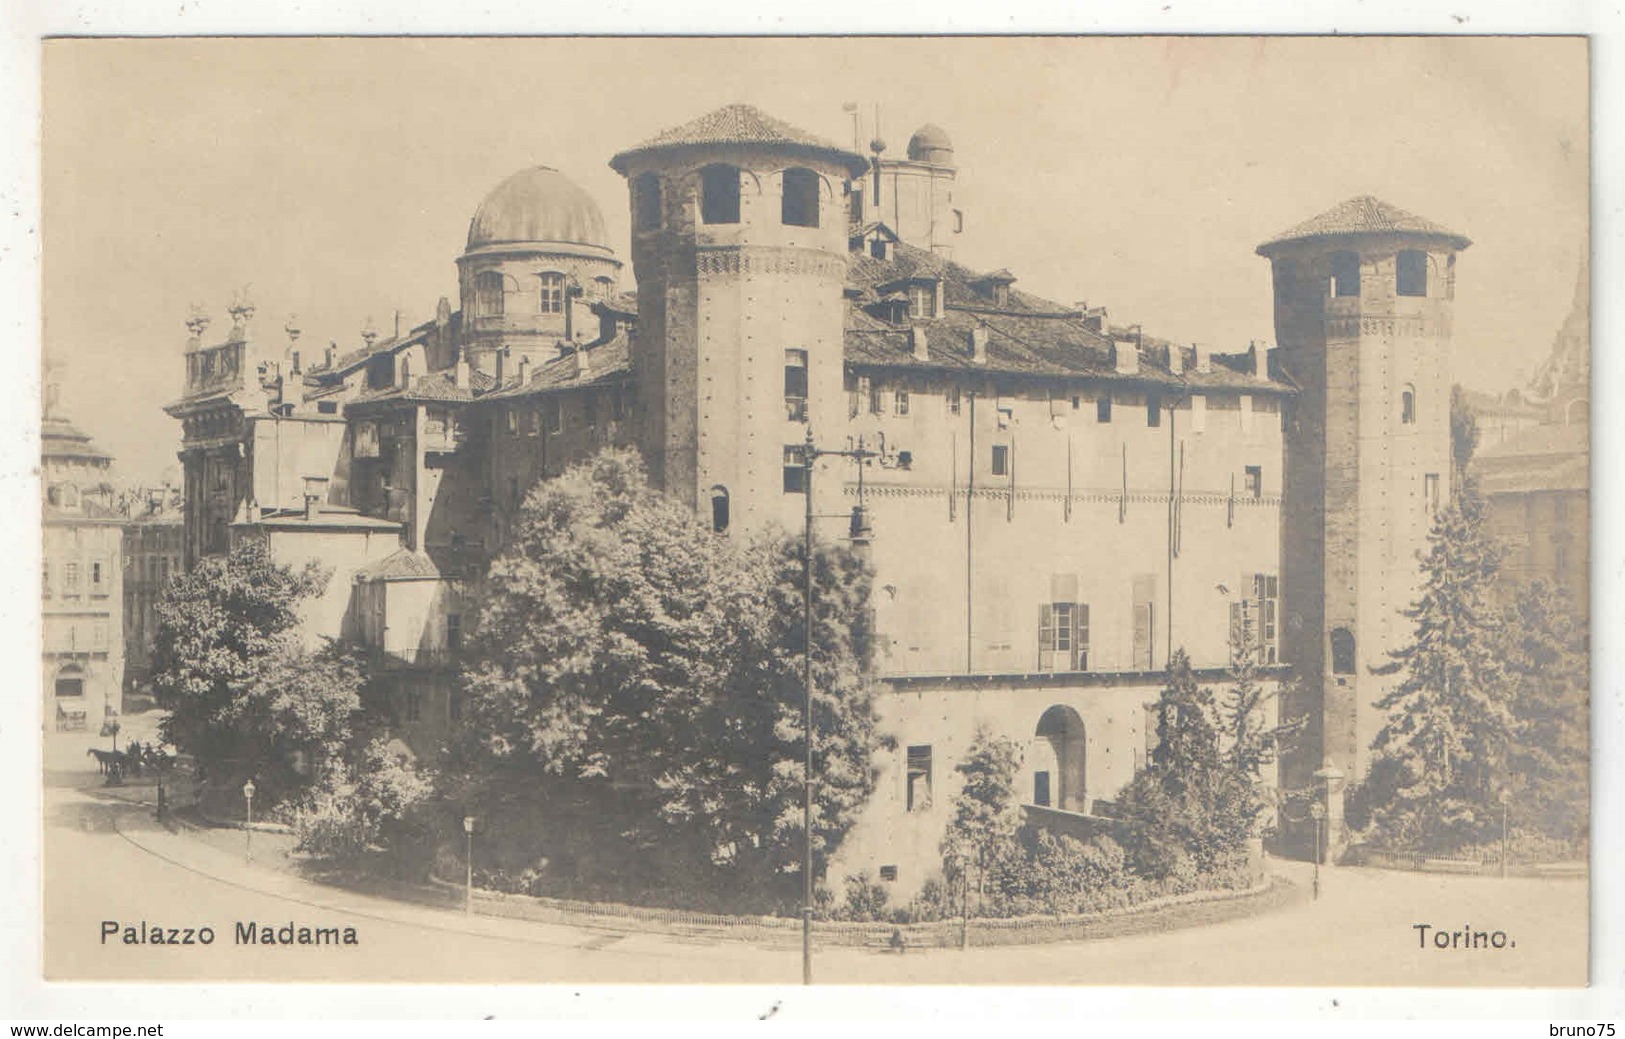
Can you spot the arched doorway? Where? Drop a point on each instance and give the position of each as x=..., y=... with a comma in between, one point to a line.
x=1060, y=761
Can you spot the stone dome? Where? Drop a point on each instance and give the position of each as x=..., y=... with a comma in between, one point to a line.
x=537, y=205
x=930, y=143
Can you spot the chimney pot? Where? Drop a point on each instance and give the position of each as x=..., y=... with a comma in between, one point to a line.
x=978, y=344
x=1125, y=356
x=917, y=341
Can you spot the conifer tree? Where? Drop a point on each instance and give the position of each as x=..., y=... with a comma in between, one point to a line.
x=1443, y=756
x=1546, y=646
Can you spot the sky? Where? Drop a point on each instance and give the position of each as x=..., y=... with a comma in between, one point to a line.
x=334, y=178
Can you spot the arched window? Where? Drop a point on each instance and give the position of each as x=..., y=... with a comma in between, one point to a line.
x=552, y=293
x=719, y=509
x=488, y=295
x=1407, y=406
x=1345, y=274
x=70, y=680
x=1411, y=273
x=1342, y=651
x=800, y=203
x=719, y=195
x=646, y=202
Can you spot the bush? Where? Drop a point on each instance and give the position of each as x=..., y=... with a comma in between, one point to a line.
x=374, y=804
x=866, y=899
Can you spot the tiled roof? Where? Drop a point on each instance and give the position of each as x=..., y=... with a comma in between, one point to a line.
x=741, y=124
x=405, y=565
x=1363, y=215
x=606, y=362
x=1027, y=335
x=436, y=386
x=60, y=438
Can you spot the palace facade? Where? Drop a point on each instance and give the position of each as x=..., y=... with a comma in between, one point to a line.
x=1056, y=505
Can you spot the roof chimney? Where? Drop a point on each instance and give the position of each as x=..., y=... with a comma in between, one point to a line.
x=1204, y=358
x=460, y=373
x=332, y=349
x=916, y=339
x=1125, y=356
x=978, y=344
x=1094, y=318
x=1176, y=358
x=524, y=371
x=1261, y=362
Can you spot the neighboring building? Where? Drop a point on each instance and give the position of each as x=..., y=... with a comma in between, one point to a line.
x=1057, y=506
x=154, y=550
x=1537, y=480
x=81, y=576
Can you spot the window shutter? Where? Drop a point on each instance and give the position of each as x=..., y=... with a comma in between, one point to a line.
x=1080, y=637
x=1046, y=636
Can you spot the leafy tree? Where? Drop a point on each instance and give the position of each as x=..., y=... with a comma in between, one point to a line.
x=244, y=697
x=635, y=682
x=1445, y=752
x=983, y=828
x=1545, y=650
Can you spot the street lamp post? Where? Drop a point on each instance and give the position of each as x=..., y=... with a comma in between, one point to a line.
x=468, y=897
x=811, y=452
x=1505, y=796
x=1319, y=812
x=248, y=815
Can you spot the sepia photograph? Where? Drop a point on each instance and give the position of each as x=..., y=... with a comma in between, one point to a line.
x=1049, y=511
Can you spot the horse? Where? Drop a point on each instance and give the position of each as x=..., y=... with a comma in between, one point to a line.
x=106, y=759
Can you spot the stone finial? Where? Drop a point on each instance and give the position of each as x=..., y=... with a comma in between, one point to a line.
x=242, y=308
x=291, y=326
x=197, y=322
x=369, y=332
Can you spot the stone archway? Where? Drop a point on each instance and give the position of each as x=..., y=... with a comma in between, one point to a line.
x=1060, y=761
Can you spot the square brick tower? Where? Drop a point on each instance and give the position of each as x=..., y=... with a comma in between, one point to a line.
x=1363, y=298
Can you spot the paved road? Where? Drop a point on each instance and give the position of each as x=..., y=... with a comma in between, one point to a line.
x=107, y=860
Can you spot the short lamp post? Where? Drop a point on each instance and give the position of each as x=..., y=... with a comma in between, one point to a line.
x=468, y=897
x=1506, y=796
x=1317, y=810
x=248, y=817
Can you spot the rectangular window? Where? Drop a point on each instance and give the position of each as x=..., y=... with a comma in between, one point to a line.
x=1001, y=460
x=412, y=706
x=888, y=873
x=1063, y=637
x=922, y=300
x=454, y=631
x=1144, y=630
x=795, y=385
x=858, y=389
x=96, y=577
x=1255, y=621
x=1103, y=408
x=1253, y=481
x=719, y=195
x=513, y=420
x=795, y=469
x=953, y=400
x=900, y=402
x=70, y=579
x=1041, y=789
x=589, y=408
x=534, y=426
x=877, y=401
x=1153, y=410
x=919, y=778
x=1430, y=492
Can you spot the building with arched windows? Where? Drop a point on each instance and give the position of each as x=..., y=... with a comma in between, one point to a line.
x=1058, y=505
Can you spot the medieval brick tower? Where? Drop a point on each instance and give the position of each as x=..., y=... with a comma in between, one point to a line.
x=739, y=235
x=1362, y=315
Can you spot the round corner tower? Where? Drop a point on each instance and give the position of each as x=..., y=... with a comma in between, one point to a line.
x=1363, y=297
x=739, y=246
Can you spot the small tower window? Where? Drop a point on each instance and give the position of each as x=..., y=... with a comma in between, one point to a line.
x=719, y=509
x=856, y=202
x=1407, y=407
x=646, y=202
x=552, y=293
x=795, y=469
x=488, y=294
x=1000, y=463
x=1342, y=651
x=1411, y=273
x=800, y=203
x=795, y=385
x=719, y=195
x=1103, y=408
x=1345, y=274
